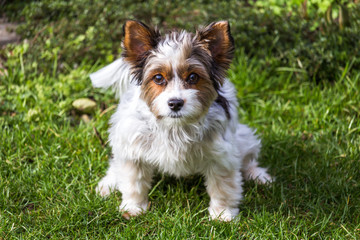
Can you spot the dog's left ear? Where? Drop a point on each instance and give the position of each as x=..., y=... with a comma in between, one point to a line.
x=216, y=37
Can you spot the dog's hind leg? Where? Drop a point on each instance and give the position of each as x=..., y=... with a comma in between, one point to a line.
x=251, y=171
x=249, y=146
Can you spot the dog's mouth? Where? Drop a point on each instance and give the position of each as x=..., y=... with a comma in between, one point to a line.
x=175, y=115
x=171, y=116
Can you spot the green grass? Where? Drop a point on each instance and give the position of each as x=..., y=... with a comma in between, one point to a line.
x=51, y=162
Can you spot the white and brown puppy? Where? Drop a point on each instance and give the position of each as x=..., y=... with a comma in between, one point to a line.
x=177, y=114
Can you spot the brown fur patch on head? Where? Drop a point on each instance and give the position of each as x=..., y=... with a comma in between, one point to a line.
x=149, y=89
x=164, y=69
x=206, y=91
x=206, y=94
x=138, y=40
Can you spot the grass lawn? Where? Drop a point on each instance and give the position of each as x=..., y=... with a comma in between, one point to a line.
x=51, y=161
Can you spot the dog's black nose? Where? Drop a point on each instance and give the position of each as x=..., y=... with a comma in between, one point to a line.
x=175, y=104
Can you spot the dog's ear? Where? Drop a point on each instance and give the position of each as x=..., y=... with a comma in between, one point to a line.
x=216, y=37
x=217, y=40
x=138, y=40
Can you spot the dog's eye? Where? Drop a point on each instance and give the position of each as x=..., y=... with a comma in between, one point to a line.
x=159, y=79
x=193, y=78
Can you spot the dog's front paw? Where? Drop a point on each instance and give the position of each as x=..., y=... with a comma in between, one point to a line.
x=223, y=214
x=133, y=209
x=106, y=186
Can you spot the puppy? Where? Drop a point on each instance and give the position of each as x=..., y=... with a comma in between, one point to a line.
x=178, y=115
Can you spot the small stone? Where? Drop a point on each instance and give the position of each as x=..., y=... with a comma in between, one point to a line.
x=85, y=105
x=85, y=118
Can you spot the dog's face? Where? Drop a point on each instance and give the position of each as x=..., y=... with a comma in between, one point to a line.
x=180, y=73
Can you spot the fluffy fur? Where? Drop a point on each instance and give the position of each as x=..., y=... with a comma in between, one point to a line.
x=178, y=115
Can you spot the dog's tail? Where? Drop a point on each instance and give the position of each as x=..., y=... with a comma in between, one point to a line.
x=116, y=75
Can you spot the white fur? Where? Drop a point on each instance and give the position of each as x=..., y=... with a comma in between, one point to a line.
x=116, y=75
x=220, y=149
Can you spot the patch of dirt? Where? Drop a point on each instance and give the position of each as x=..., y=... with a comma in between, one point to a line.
x=7, y=32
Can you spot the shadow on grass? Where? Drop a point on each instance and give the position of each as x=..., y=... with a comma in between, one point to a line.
x=309, y=183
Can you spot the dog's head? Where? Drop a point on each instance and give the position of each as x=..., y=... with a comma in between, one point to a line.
x=180, y=73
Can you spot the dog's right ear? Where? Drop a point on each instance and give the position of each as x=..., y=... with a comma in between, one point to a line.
x=139, y=39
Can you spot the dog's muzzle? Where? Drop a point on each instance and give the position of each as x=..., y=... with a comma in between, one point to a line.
x=175, y=104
